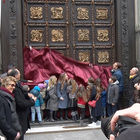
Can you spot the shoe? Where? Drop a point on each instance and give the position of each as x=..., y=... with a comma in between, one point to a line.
x=40, y=122
x=82, y=123
x=51, y=120
x=98, y=123
x=56, y=119
x=33, y=122
x=66, y=118
x=61, y=119
x=92, y=124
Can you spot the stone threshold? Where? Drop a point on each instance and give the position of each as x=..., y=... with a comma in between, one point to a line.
x=59, y=128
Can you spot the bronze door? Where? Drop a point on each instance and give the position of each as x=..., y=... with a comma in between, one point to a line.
x=83, y=30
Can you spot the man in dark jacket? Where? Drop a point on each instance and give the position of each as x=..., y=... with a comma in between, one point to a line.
x=133, y=79
x=116, y=71
x=24, y=101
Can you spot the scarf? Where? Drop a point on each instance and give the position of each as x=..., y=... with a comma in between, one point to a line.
x=7, y=91
x=131, y=76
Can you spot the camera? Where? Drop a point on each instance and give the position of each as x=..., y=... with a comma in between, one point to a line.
x=122, y=124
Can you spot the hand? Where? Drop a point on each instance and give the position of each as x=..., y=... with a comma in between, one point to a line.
x=17, y=136
x=131, y=112
x=112, y=137
x=61, y=98
x=30, y=95
x=113, y=104
x=30, y=81
x=34, y=98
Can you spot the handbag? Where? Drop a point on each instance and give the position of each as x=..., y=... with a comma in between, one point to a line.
x=93, y=102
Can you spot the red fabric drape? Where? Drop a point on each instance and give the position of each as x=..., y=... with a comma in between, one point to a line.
x=40, y=64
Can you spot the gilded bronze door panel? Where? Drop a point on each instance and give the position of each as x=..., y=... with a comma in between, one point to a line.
x=83, y=30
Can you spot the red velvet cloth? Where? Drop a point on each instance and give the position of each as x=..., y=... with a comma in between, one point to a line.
x=40, y=64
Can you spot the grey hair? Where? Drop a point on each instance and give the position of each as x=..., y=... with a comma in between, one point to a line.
x=135, y=69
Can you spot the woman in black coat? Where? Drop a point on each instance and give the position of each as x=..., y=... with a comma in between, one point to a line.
x=9, y=123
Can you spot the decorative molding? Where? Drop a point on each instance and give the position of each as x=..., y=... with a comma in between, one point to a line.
x=125, y=45
x=13, y=32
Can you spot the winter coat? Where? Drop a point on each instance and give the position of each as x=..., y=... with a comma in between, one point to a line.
x=81, y=103
x=9, y=123
x=72, y=97
x=104, y=96
x=93, y=93
x=23, y=105
x=36, y=92
x=97, y=110
x=131, y=88
x=119, y=76
x=62, y=93
x=43, y=93
x=136, y=96
x=112, y=93
x=52, y=103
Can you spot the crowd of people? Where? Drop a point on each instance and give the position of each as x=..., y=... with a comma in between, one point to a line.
x=61, y=98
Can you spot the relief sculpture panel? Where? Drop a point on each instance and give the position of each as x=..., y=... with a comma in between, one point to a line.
x=102, y=35
x=83, y=35
x=84, y=56
x=103, y=57
x=57, y=35
x=57, y=13
x=36, y=35
x=102, y=13
x=82, y=13
x=36, y=12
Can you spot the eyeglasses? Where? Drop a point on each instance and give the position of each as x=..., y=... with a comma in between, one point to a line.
x=12, y=85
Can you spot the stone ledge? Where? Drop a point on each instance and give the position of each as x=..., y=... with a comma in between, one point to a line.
x=55, y=129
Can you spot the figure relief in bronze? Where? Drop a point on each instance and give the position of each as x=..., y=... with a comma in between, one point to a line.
x=36, y=12
x=36, y=35
x=83, y=35
x=103, y=35
x=82, y=13
x=103, y=57
x=102, y=13
x=57, y=13
x=84, y=56
x=57, y=35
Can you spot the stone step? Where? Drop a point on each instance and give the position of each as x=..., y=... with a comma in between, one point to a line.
x=59, y=126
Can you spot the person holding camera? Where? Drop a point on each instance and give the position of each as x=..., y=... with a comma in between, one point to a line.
x=131, y=133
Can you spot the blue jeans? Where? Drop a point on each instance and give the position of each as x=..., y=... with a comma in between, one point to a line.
x=36, y=110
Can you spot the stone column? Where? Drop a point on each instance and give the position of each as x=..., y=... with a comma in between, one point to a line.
x=137, y=32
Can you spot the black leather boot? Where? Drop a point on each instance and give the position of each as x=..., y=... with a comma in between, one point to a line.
x=51, y=116
x=66, y=115
x=55, y=116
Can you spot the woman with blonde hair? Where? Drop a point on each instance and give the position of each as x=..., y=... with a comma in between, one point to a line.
x=52, y=103
x=9, y=123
